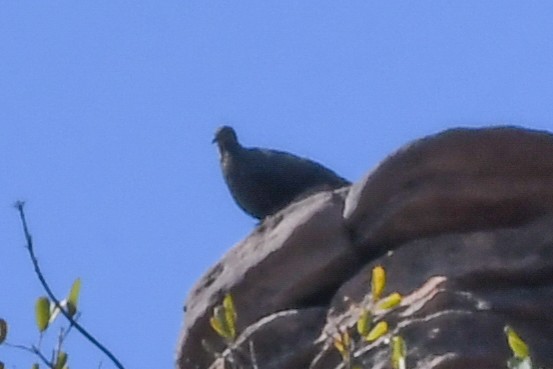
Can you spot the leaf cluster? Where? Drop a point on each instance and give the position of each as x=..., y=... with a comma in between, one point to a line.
x=46, y=312
x=223, y=320
x=370, y=329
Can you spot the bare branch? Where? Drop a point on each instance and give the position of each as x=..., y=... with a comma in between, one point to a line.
x=19, y=205
x=33, y=350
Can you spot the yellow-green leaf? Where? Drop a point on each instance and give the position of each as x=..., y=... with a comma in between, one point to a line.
x=364, y=322
x=1, y=365
x=42, y=313
x=217, y=323
x=380, y=329
x=228, y=304
x=3, y=330
x=220, y=324
x=223, y=320
x=35, y=366
x=230, y=316
x=517, y=345
x=342, y=343
x=73, y=297
x=399, y=352
x=61, y=360
x=71, y=309
x=389, y=301
x=378, y=282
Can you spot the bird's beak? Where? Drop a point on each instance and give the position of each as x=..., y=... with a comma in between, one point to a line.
x=214, y=140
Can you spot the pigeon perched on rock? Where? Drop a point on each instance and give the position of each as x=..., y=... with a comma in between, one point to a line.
x=263, y=181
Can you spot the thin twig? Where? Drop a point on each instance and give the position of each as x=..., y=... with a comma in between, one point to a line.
x=252, y=355
x=19, y=206
x=60, y=344
x=68, y=330
x=34, y=350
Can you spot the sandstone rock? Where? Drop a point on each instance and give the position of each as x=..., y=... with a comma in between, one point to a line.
x=463, y=224
x=487, y=279
x=458, y=180
x=296, y=258
x=440, y=331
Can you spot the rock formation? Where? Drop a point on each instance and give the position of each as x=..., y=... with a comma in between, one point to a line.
x=462, y=221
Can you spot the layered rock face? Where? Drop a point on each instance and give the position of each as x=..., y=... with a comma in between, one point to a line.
x=462, y=222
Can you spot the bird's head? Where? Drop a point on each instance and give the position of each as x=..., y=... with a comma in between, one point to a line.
x=226, y=139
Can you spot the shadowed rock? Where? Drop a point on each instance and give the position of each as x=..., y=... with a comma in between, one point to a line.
x=263, y=181
x=460, y=290
x=263, y=277
x=283, y=340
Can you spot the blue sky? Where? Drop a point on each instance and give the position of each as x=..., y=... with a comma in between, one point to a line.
x=108, y=108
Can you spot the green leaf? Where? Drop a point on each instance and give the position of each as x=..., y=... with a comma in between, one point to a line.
x=73, y=298
x=35, y=366
x=399, y=352
x=219, y=324
x=518, y=346
x=223, y=320
x=378, y=282
x=342, y=343
x=3, y=330
x=364, y=323
x=42, y=313
x=2, y=365
x=380, y=329
x=389, y=301
x=71, y=309
x=61, y=360
x=215, y=322
x=230, y=316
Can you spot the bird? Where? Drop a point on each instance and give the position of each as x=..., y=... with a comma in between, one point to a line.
x=264, y=181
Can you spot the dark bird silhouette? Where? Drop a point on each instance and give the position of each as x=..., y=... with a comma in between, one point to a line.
x=263, y=181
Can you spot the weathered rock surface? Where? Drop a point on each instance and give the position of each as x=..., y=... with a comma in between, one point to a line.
x=461, y=289
x=292, y=260
x=457, y=180
x=462, y=222
x=282, y=340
